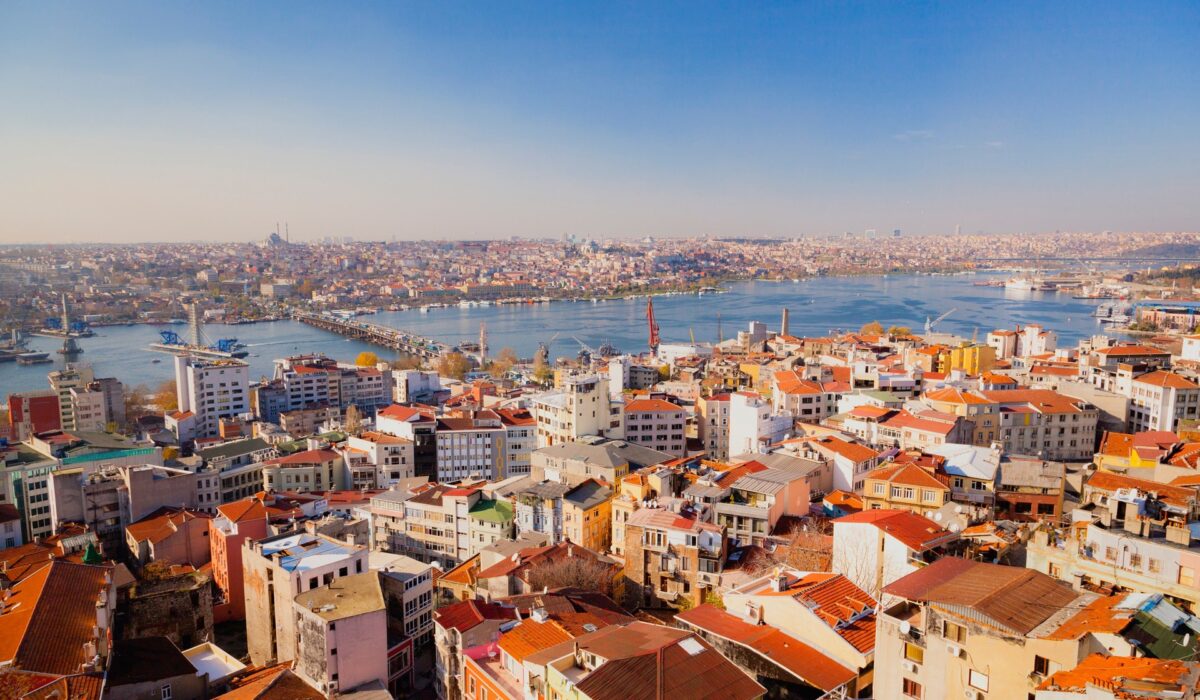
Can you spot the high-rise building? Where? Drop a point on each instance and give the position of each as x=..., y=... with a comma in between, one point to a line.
x=207, y=391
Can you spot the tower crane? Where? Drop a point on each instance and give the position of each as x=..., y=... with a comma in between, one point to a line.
x=929, y=324
x=653, y=326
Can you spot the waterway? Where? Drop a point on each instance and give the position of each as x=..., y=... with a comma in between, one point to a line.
x=817, y=306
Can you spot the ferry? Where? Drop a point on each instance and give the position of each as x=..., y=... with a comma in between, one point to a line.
x=33, y=358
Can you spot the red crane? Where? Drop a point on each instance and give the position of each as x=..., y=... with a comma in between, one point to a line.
x=653, y=325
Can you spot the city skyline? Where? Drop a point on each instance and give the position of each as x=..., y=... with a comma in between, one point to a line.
x=157, y=123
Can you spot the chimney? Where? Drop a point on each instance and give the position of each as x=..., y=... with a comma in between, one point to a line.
x=1179, y=534
x=779, y=581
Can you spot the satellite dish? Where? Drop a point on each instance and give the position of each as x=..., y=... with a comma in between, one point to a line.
x=937, y=517
x=958, y=509
x=905, y=627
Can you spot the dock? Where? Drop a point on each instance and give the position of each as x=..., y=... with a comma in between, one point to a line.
x=394, y=338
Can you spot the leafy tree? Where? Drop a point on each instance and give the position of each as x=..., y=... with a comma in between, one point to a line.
x=872, y=328
x=542, y=372
x=664, y=373
x=503, y=362
x=366, y=359
x=899, y=330
x=454, y=365
x=165, y=398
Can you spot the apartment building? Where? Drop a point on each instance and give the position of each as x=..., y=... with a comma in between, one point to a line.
x=276, y=570
x=914, y=483
x=807, y=400
x=753, y=425
x=33, y=412
x=471, y=446
x=964, y=629
x=824, y=617
x=418, y=425
x=592, y=458
x=207, y=391
x=671, y=553
x=656, y=424
x=1162, y=400
x=310, y=470
x=520, y=440
x=876, y=547
x=581, y=406
x=753, y=498
x=342, y=634
x=712, y=425
x=392, y=457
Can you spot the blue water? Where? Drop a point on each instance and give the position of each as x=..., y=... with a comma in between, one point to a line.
x=816, y=306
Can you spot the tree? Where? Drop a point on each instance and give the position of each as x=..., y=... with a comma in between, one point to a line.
x=542, y=372
x=579, y=571
x=137, y=399
x=353, y=422
x=503, y=362
x=454, y=365
x=664, y=373
x=899, y=330
x=872, y=328
x=170, y=453
x=165, y=399
x=407, y=362
x=366, y=359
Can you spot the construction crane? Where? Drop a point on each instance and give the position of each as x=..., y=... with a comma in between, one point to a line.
x=543, y=351
x=929, y=325
x=653, y=326
x=692, y=335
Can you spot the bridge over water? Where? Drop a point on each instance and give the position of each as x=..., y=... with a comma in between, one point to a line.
x=394, y=338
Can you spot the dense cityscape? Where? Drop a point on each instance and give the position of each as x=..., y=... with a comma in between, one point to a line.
x=887, y=511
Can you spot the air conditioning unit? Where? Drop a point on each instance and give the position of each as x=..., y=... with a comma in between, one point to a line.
x=972, y=694
x=911, y=666
x=953, y=649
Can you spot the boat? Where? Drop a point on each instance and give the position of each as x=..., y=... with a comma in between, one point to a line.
x=33, y=358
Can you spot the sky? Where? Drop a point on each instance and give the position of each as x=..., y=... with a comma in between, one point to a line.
x=158, y=121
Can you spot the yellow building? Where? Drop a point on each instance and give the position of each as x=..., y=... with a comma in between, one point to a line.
x=905, y=486
x=980, y=410
x=972, y=359
x=587, y=515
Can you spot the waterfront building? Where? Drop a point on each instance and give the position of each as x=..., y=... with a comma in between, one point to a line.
x=207, y=391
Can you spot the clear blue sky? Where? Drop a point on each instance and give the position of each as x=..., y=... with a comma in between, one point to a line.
x=158, y=120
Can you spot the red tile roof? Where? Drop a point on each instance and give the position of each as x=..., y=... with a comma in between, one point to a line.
x=48, y=617
x=651, y=406
x=915, y=531
x=781, y=649
x=465, y=615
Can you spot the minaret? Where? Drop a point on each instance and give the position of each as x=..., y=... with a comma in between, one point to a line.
x=66, y=319
x=783, y=324
x=483, y=348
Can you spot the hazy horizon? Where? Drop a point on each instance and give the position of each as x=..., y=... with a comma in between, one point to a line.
x=146, y=122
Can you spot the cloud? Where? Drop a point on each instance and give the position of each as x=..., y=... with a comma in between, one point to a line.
x=993, y=144
x=914, y=135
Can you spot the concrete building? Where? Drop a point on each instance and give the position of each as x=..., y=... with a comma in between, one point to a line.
x=276, y=570
x=592, y=458
x=173, y=535
x=671, y=553
x=753, y=426
x=875, y=547
x=757, y=499
x=310, y=470
x=393, y=457
x=963, y=629
x=235, y=524
x=656, y=424
x=471, y=446
x=342, y=634
x=1162, y=401
x=712, y=425
x=209, y=390
x=581, y=406
x=33, y=412
x=418, y=425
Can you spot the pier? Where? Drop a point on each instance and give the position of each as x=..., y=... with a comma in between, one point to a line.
x=394, y=338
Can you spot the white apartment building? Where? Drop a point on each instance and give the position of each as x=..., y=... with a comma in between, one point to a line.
x=656, y=424
x=390, y=455
x=753, y=426
x=1160, y=400
x=211, y=390
x=582, y=406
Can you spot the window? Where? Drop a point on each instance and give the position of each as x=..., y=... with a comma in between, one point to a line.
x=1187, y=576
x=165, y=692
x=912, y=689
x=1154, y=565
x=955, y=633
x=979, y=681
x=1041, y=666
x=912, y=652
x=1110, y=553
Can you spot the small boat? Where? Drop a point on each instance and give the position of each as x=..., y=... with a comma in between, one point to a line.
x=155, y=361
x=33, y=358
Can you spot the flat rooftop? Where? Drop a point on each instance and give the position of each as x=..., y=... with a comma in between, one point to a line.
x=303, y=551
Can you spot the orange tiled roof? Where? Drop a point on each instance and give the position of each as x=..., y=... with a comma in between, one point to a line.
x=48, y=617
x=1125, y=677
x=532, y=636
x=651, y=406
x=1168, y=380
